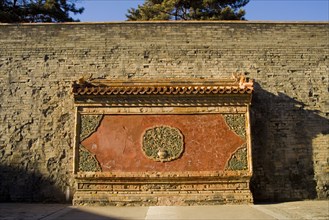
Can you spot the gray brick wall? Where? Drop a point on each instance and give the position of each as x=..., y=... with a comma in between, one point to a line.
x=290, y=109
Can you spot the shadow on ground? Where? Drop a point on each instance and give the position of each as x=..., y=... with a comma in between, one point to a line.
x=24, y=186
x=282, y=134
x=75, y=213
x=32, y=211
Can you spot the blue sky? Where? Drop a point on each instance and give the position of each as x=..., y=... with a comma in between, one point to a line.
x=268, y=10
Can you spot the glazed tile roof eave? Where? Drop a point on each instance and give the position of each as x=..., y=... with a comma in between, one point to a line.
x=116, y=92
x=107, y=88
x=168, y=90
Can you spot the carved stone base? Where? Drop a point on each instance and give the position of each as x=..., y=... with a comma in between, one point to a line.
x=153, y=192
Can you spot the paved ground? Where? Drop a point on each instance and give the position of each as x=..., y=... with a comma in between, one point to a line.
x=318, y=210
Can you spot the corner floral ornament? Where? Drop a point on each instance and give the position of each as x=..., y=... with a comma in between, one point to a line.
x=163, y=143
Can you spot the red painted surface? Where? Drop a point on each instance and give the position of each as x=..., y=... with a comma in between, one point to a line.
x=117, y=143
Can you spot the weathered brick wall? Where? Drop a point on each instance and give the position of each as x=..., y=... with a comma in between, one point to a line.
x=290, y=110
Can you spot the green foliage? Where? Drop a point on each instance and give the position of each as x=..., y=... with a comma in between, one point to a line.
x=188, y=10
x=12, y=11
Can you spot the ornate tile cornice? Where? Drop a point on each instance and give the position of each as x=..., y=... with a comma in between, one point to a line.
x=103, y=87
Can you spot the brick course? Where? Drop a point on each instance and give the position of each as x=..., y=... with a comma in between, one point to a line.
x=290, y=108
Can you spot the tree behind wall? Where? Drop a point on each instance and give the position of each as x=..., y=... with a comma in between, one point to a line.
x=12, y=11
x=188, y=10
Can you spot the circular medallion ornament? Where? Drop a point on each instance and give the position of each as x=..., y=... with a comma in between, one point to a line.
x=163, y=143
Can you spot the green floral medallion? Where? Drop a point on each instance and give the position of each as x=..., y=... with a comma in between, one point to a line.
x=163, y=143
